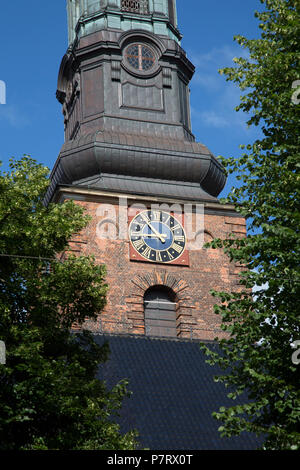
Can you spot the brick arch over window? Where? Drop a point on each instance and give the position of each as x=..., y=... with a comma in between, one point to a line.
x=184, y=310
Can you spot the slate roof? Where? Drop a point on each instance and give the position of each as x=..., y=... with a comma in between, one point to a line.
x=173, y=393
x=149, y=160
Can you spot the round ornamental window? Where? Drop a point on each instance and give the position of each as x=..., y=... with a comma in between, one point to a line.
x=140, y=57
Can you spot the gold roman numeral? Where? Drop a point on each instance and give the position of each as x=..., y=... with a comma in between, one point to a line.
x=138, y=244
x=136, y=234
x=147, y=252
x=177, y=248
x=156, y=216
x=167, y=220
x=176, y=227
x=178, y=238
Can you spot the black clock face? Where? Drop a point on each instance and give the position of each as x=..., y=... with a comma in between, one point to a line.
x=157, y=236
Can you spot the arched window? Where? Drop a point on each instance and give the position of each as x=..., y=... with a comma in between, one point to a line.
x=135, y=6
x=160, y=312
x=140, y=57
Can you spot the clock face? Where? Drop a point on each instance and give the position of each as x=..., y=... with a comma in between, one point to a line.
x=157, y=236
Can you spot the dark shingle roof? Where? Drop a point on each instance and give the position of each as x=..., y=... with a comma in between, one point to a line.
x=190, y=169
x=173, y=396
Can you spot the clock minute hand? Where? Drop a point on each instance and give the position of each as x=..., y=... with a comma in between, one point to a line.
x=159, y=235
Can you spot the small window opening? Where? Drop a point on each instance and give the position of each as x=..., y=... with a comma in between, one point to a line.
x=160, y=312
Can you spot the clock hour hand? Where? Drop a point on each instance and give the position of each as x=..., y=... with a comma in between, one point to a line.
x=161, y=236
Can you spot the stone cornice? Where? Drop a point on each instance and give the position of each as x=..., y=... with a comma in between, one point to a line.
x=64, y=192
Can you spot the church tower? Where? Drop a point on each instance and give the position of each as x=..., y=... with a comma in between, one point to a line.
x=131, y=160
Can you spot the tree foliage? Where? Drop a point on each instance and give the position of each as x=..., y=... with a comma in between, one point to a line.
x=262, y=317
x=49, y=396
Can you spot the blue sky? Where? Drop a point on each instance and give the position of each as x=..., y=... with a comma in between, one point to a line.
x=34, y=39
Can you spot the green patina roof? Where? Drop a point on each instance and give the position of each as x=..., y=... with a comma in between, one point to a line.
x=88, y=16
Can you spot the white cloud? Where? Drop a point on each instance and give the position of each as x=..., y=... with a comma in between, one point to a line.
x=208, y=64
x=219, y=97
x=220, y=111
x=13, y=116
x=211, y=118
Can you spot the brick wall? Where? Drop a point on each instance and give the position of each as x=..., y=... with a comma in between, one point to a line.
x=128, y=280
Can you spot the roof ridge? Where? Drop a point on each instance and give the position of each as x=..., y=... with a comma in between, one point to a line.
x=156, y=338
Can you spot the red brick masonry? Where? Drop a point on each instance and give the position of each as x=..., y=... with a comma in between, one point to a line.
x=128, y=280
